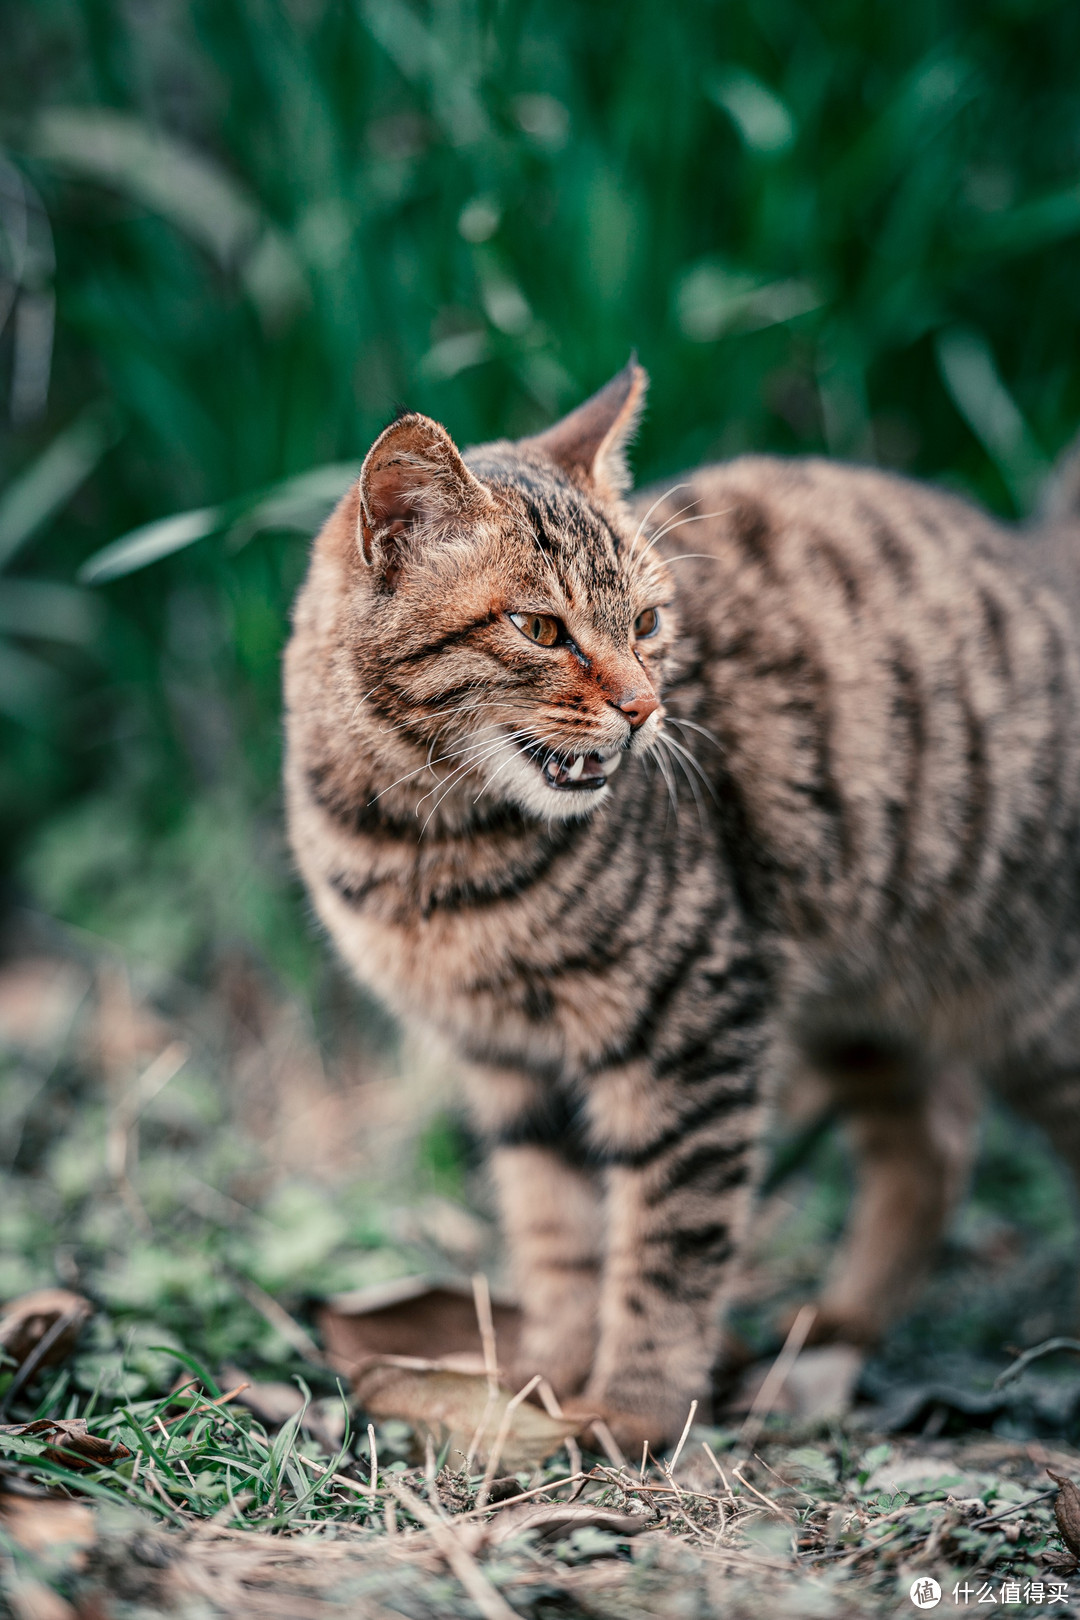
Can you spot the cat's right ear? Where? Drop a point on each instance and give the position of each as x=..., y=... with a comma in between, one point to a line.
x=412, y=475
x=591, y=442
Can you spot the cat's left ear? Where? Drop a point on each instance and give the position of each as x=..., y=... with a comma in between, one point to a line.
x=591, y=442
x=412, y=476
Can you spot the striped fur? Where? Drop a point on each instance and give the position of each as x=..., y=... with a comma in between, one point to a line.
x=844, y=848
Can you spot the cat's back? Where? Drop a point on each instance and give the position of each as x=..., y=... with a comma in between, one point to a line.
x=895, y=699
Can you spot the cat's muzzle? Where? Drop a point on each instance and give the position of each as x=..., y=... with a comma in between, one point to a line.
x=574, y=773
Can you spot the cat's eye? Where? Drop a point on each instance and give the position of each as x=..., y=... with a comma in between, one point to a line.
x=539, y=627
x=646, y=624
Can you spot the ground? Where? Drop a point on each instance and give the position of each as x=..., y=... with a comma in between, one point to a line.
x=199, y=1174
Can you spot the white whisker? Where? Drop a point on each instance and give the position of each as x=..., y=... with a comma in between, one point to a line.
x=691, y=757
x=666, y=742
x=693, y=725
x=658, y=501
x=669, y=782
x=482, y=751
x=671, y=526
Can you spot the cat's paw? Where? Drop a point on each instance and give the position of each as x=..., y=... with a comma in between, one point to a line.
x=629, y=1430
x=657, y=1423
x=564, y=1361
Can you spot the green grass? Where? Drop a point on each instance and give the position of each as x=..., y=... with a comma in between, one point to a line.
x=831, y=227
x=843, y=228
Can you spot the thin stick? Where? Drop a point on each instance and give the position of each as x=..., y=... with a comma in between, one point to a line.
x=429, y=1476
x=327, y=1473
x=772, y=1506
x=786, y=1483
x=710, y=1453
x=723, y=1478
x=39, y=1352
x=549, y=1398
x=644, y=1463
x=204, y=1406
x=279, y=1318
x=374, y=1459
x=609, y=1443
x=553, y=1408
x=1047, y=1348
x=578, y=1479
x=486, y=1323
x=682, y=1438
x=490, y=1603
x=500, y=1439
x=777, y=1376
x=980, y=1524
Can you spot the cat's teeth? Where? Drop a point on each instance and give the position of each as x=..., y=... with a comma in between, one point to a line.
x=576, y=768
x=611, y=765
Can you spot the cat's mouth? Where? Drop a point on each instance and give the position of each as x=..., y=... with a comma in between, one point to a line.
x=573, y=773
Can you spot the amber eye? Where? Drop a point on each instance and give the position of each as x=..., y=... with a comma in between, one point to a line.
x=539, y=627
x=646, y=624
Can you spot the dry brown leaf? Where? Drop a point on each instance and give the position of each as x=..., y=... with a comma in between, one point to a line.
x=40, y=1524
x=450, y=1406
x=1067, y=1511
x=275, y=1403
x=32, y=1318
x=412, y=1317
x=33, y=1600
x=39, y=997
x=552, y=1521
x=70, y=1443
x=272, y=1403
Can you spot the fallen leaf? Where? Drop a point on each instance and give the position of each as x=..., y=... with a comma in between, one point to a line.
x=28, y=1321
x=823, y=1381
x=1067, y=1511
x=450, y=1406
x=552, y=1521
x=40, y=1524
x=39, y=997
x=274, y=1403
x=69, y=1442
x=413, y=1317
x=33, y=1600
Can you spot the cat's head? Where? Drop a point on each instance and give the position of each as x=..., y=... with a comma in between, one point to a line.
x=511, y=618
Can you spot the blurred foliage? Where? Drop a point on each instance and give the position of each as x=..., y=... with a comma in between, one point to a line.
x=234, y=236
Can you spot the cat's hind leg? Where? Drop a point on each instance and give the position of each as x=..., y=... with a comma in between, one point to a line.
x=1040, y=1079
x=912, y=1128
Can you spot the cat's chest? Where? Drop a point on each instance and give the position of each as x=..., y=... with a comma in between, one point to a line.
x=503, y=974
x=548, y=968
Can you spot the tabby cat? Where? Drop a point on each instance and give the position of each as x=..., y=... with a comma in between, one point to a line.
x=648, y=805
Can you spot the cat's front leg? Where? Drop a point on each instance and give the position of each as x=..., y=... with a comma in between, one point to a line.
x=550, y=1212
x=678, y=1195
x=551, y=1221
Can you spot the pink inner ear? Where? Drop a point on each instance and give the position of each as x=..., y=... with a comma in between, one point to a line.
x=389, y=500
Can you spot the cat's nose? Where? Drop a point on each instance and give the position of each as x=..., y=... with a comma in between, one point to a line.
x=637, y=706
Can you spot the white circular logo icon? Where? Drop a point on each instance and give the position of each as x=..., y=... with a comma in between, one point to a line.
x=925, y=1593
